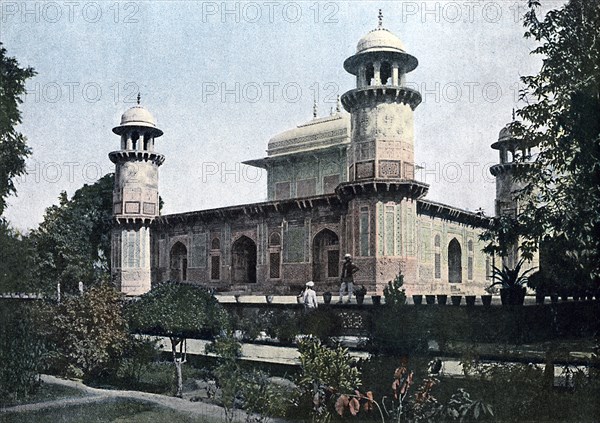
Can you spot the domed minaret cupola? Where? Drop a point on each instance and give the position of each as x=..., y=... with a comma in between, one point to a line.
x=513, y=152
x=382, y=110
x=135, y=199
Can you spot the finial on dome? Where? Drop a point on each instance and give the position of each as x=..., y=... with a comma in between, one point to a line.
x=139, y=98
x=380, y=17
x=338, y=105
x=315, y=108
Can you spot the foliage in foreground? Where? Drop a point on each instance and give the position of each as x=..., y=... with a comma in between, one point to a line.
x=326, y=373
x=252, y=391
x=21, y=353
x=394, y=294
x=86, y=332
x=177, y=311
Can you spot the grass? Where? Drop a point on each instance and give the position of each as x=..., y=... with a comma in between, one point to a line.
x=46, y=392
x=110, y=411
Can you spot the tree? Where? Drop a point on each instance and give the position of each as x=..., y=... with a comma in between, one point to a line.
x=177, y=311
x=13, y=144
x=87, y=332
x=15, y=260
x=21, y=351
x=326, y=373
x=228, y=373
x=561, y=194
x=72, y=244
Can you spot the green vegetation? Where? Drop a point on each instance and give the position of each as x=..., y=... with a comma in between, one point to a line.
x=111, y=411
x=13, y=145
x=16, y=258
x=177, y=311
x=72, y=244
x=561, y=197
x=326, y=373
x=47, y=392
x=21, y=354
x=86, y=332
x=393, y=293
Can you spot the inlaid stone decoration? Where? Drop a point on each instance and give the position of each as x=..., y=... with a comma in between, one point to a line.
x=389, y=169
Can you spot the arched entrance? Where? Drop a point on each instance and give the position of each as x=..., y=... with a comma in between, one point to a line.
x=326, y=255
x=243, y=256
x=179, y=262
x=454, y=262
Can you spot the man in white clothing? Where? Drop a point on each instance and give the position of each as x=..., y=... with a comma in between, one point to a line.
x=310, y=296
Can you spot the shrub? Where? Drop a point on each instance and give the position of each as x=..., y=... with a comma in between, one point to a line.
x=21, y=354
x=87, y=332
x=394, y=293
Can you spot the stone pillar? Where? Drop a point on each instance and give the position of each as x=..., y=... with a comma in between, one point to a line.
x=395, y=74
x=362, y=78
x=377, y=73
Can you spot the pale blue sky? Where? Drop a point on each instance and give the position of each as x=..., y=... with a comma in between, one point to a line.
x=93, y=57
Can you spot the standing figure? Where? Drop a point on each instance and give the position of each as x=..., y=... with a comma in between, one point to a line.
x=348, y=270
x=309, y=298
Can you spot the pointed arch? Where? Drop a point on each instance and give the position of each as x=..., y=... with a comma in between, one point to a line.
x=326, y=255
x=454, y=261
x=179, y=262
x=243, y=257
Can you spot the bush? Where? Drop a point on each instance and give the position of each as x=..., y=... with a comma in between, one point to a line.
x=87, y=332
x=21, y=354
x=137, y=358
x=394, y=293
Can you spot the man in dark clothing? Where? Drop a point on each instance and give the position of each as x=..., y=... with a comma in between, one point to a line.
x=348, y=270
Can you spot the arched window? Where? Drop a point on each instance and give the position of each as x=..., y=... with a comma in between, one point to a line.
x=179, y=262
x=243, y=257
x=386, y=73
x=369, y=74
x=454, y=262
x=275, y=239
x=275, y=256
x=215, y=259
x=147, y=141
x=134, y=139
x=326, y=255
x=437, y=242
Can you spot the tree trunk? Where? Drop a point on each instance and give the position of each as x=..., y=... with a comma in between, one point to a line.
x=178, y=365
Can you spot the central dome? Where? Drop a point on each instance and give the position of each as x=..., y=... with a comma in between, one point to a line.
x=379, y=39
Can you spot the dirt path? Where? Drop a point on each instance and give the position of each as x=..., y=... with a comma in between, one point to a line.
x=194, y=409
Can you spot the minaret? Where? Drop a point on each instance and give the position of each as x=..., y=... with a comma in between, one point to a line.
x=135, y=199
x=381, y=193
x=381, y=107
x=513, y=152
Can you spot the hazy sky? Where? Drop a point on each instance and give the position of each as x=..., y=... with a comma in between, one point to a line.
x=222, y=78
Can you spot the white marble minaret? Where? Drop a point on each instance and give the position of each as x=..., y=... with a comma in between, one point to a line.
x=135, y=200
x=381, y=191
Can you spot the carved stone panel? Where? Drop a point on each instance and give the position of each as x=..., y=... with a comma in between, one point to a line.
x=389, y=169
x=132, y=207
x=365, y=170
